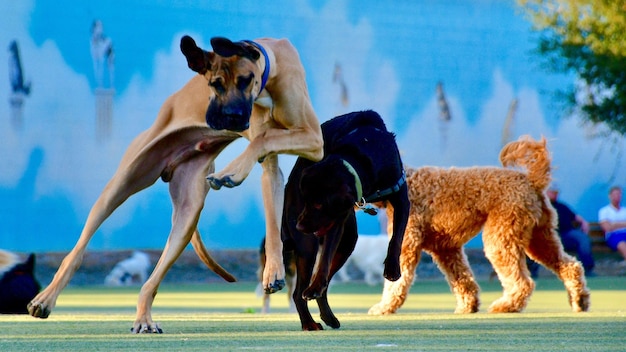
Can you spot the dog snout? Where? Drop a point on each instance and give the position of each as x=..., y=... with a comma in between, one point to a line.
x=232, y=117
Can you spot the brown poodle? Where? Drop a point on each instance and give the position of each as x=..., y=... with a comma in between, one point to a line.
x=450, y=206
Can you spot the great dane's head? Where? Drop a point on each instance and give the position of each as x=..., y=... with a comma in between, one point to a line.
x=234, y=76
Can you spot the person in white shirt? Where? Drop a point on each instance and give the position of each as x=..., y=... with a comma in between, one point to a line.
x=612, y=219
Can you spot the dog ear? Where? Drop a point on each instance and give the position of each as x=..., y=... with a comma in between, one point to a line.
x=198, y=60
x=29, y=264
x=226, y=48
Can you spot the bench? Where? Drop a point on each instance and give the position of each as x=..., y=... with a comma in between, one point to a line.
x=598, y=242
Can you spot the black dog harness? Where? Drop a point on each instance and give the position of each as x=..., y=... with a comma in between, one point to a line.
x=266, y=71
x=362, y=201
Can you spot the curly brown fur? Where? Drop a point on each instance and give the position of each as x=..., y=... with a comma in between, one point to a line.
x=450, y=206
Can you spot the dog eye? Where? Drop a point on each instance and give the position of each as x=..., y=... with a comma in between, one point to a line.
x=317, y=206
x=217, y=85
x=244, y=82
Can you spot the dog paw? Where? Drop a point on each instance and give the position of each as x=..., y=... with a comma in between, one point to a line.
x=392, y=275
x=331, y=321
x=312, y=326
x=380, y=309
x=38, y=310
x=146, y=329
x=215, y=183
x=311, y=293
x=226, y=181
x=275, y=287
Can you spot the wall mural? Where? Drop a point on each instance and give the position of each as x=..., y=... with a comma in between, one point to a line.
x=454, y=81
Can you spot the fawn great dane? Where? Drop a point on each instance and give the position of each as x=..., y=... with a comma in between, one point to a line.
x=255, y=89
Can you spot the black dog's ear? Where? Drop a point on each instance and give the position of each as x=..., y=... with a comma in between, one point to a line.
x=226, y=48
x=198, y=60
x=29, y=264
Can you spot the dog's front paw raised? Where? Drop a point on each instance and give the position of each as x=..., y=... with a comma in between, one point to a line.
x=153, y=328
x=227, y=181
x=276, y=286
x=392, y=271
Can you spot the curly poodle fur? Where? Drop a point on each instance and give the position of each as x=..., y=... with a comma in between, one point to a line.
x=450, y=206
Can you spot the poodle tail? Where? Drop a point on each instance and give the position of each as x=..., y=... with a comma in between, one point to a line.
x=533, y=156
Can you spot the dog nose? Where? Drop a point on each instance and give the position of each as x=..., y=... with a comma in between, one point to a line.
x=232, y=111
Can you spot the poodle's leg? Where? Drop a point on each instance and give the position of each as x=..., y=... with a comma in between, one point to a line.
x=395, y=293
x=505, y=252
x=454, y=265
x=545, y=247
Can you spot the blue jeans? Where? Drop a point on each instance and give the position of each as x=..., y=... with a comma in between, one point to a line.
x=577, y=241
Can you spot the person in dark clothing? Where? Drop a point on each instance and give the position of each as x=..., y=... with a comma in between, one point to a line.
x=573, y=230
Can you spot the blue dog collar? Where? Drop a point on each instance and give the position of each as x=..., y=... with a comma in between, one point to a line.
x=266, y=71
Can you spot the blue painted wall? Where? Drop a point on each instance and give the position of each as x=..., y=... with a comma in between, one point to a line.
x=391, y=58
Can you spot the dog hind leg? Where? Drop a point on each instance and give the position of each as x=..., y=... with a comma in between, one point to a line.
x=188, y=190
x=545, y=247
x=136, y=172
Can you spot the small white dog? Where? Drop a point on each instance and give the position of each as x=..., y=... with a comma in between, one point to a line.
x=368, y=256
x=130, y=271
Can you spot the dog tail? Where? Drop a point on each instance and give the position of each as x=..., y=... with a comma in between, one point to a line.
x=533, y=156
x=203, y=254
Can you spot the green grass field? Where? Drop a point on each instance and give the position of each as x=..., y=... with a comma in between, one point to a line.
x=223, y=317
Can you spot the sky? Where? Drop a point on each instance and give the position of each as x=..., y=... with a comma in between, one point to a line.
x=391, y=60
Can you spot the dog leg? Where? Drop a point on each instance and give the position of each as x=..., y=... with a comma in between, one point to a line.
x=114, y=194
x=188, y=190
x=400, y=205
x=304, y=263
x=304, y=142
x=321, y=277
x=395, y=293
x=454, y=265
x=509, y=262
x=545, y=247
x=273, y=197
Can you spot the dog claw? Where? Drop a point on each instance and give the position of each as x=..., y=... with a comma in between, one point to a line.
x=275, y=287
x=215, y=183
x=38, y=310
x=228, y=182
x=147, y=329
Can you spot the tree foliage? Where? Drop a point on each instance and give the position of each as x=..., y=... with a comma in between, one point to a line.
x=588, y=38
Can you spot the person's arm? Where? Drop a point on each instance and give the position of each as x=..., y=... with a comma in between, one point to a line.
x=584, y=225
x=609, y=226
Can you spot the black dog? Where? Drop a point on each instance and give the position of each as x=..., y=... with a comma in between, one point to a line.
x=361, y=165
x=18, y=286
